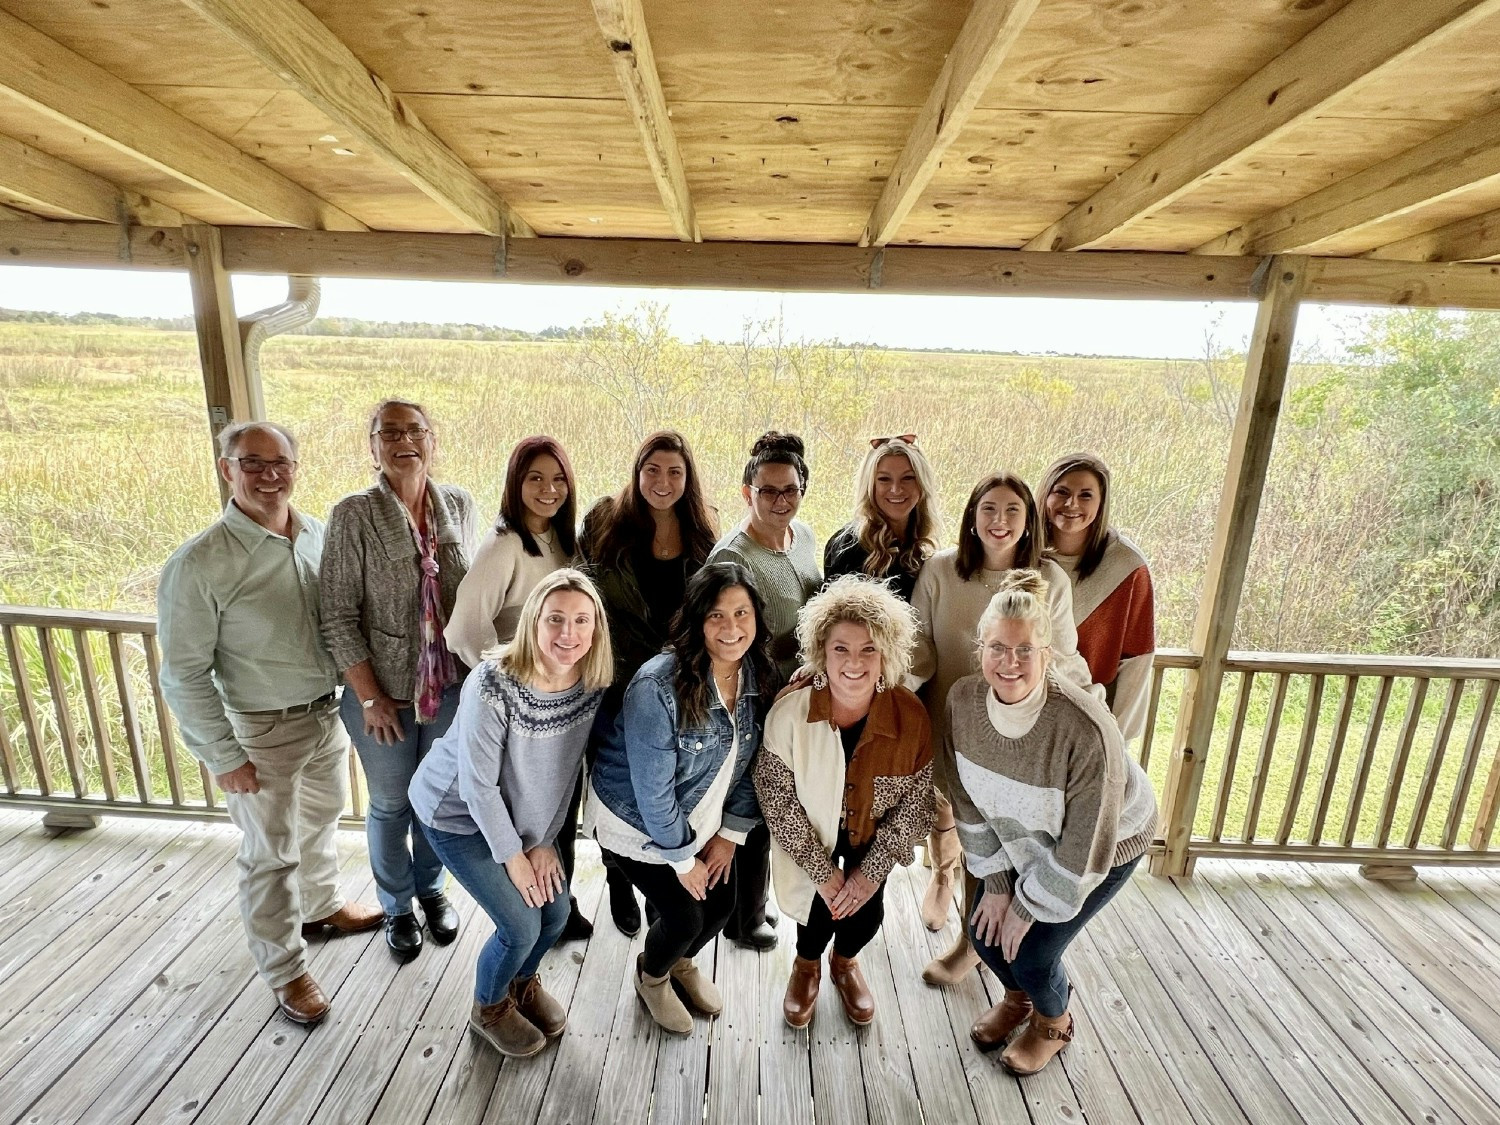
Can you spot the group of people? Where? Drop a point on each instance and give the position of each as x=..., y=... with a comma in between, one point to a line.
x=719, y=713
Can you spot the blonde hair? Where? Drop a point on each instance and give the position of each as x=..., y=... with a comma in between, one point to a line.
x=520, y=658
x=906, y=548
x=1021, y=596
x=860, y=601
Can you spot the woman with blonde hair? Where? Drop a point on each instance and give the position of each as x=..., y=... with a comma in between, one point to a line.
x=1049, y=862
x=896, y=524
x=493, y=794
x=845, y=785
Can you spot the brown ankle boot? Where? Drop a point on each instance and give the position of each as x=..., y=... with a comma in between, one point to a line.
x=1036, y=1046
x=504, y=1028
x=541, y=1009
x=859, y=1003
x=802, y=991
x=953, y=965
x=992, y=1029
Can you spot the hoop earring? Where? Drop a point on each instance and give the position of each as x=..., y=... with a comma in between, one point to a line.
x=880, y=683
x=819, y=680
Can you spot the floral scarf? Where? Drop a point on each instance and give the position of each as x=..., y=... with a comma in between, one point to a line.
x=435, y=666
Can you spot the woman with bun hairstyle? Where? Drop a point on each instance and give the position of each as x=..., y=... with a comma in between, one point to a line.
x=1113, y=603
x=1000, y=531
x=532, y=537
x=781, y=554
x=1052, y=812
x=641, y=546
x=896, y=525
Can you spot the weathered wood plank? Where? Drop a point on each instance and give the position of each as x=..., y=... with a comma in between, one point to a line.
x=58, y=895
x=786, y=1080
x=884, y=1048
x=734, y=1059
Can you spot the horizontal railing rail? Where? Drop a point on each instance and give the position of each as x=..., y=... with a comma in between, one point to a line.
x=1371, y=759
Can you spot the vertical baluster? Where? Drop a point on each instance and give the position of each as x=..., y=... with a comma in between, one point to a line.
x=130, y=719
x=103, y=751
x=1335, y=758
x=1489, y=804
x=209, y=800
x=1304, y=756
x=1232, y=756
x=1398, y=764
x=1263, y=763
x=66, y=731
x=1150, y=736
x=1366, y=761
x=10, y=770
x=164, y=724
x=1465, y=779
x=1434, y=762
x=27, y=701
x=356, y=784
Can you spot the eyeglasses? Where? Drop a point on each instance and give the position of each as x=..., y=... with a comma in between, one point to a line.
x=877, y=442
x=789, y=494
x=391, y=435
x=257, y=465
x=1022, y=653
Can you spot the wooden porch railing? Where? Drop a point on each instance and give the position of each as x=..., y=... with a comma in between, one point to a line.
x=1367, y=759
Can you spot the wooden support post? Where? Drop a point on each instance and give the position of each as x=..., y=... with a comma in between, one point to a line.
x=1285, y=279
x=233, y=396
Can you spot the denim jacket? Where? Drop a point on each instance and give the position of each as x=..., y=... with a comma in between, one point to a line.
x=652, y=775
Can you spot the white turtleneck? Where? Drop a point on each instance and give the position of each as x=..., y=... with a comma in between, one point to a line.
x=1015, y=720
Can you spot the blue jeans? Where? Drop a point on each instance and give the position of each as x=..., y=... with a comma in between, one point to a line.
x=402, y=870
x=523, y=934
x=1038, y=969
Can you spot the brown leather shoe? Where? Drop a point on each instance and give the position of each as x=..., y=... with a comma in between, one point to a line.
x=301, y=1000
x=992, y=1029
x=504, y=1028
x=849, y=981
x=351, y=918
x=1035, y=1047
x=538, y=1005
x=802, y=991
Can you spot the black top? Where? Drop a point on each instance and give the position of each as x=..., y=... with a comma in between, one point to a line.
x=844, y=555
x=663, y=584
x=850, y=736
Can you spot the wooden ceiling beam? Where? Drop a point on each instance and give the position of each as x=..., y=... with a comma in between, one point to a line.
x=300, y=50
x=1334, y=59
x=47, y=77
x=624, y=27
x=1475, y=239
x=32, y=178
x=975, y=58
x=1456, y=161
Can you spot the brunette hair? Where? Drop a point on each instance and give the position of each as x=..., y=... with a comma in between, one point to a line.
x=887, y=549
x=891, y=621
x=776, y=448
x=971, y=551
x=625, y=520
x=1098, y=536
x=519, y=657
x=1021, y=596
x=513, y=510
x=694, y=671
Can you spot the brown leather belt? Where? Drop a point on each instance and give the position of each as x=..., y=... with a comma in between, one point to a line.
x=293, y=711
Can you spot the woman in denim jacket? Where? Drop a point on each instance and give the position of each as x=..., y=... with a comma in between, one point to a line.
x=672, y=793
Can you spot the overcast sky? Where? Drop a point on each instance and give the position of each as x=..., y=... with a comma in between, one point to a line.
x=1002, y=324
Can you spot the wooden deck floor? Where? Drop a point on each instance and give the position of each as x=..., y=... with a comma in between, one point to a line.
x=1253, y=993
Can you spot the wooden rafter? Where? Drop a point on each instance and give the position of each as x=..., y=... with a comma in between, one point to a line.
x=982, y=44
x=31, y=177
x=1456, y=161
x=1337, y=57
x=1476, y=239
x=48, y=78
x=624, y=27
x=301, y=51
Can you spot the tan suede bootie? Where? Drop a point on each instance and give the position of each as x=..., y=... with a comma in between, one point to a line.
x=701, y=992
x=656, y=994
x=952, y=966
x=946, y=855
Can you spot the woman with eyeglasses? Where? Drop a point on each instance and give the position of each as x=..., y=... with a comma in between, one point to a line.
x=641, y=546
x=393, y=558
x=781, y=554
x=1052, y=812
x=896, y=524
x=532, y=537
x=1000, y=531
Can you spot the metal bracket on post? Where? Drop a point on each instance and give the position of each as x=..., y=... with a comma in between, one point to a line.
x=502, y=250
x=877, y=265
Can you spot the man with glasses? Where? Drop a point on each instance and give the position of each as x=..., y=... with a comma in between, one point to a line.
x=246, y=672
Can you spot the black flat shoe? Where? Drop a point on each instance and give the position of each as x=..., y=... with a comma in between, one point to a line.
x=623, y=908
x=442, y=919
x=403, y=934
x=578, y=928
x=760, y=939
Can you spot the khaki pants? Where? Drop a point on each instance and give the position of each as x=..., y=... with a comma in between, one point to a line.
x=287, y=861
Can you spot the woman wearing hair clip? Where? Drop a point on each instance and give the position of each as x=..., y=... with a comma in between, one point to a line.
x=896, y=525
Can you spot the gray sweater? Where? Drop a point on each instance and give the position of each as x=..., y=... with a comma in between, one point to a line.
x=784, y=579
x=508, y=764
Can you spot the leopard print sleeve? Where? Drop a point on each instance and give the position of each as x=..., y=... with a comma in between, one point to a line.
x=787, y=819
x=905, y=810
